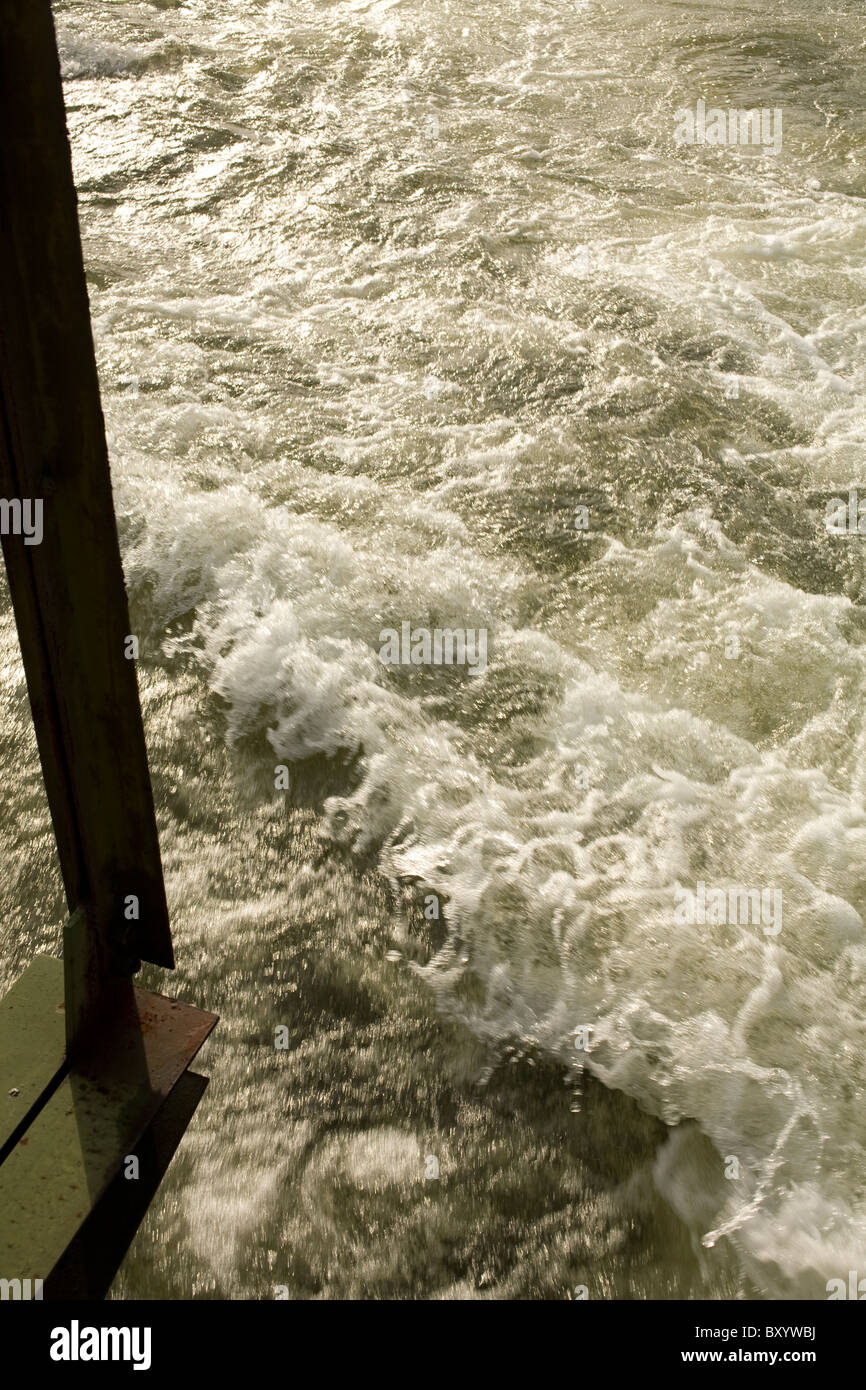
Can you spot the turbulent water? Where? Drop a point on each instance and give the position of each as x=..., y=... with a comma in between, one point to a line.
x=417, y=311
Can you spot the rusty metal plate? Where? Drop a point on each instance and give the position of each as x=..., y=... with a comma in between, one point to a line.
x=148, y=1043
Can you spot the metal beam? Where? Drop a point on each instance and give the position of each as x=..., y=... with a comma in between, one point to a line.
x=68, y=591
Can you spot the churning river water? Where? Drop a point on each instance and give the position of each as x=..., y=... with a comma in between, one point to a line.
x=418, y=311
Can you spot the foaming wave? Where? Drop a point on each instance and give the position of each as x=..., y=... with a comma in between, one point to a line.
x=557, y=865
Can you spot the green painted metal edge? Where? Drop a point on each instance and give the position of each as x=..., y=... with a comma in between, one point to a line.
x=32, y=1043
x=59, y=1170
x=88, y=1267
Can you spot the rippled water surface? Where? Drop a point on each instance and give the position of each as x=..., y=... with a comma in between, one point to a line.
x=383, y=295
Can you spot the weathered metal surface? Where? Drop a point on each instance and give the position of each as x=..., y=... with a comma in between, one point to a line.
x=93, y=992
x=89, y=987
x=57, y=1173
x=67, y=590
x=88, y=1266
x=32, y=1043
